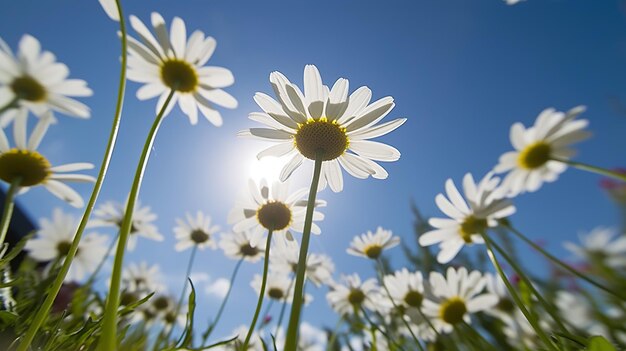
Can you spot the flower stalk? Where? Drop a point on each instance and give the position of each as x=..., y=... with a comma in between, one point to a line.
x=261, y=292
x=593, y=169
x=7, y=210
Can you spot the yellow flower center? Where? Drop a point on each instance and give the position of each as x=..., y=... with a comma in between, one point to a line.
x=534, y=155
x=275, y=293
x=179, y=75
x=247, y=250
x=31, y=166
x=453, y=310
x=321, y=135
x=413, y=298
x=356, y=297
x=373, y=251
x=27, y=88
x=472, y=225
x=198, y=236
x=274, y=215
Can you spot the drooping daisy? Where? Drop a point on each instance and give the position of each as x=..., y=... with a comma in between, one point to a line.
x=53, y=242
x=33, y=169
x=455, y=297
x=196, y=231
x=272, y=208
x=111, y=214
x=327, y=121
x=173, y=62
x=406, y=288
x=352, y=296
x=536, y=149
x=238, y=246
x=33, y=79
x=371, y=245
x=284, y=258
x=599, y=246
x=110, y=7
x=469, y=217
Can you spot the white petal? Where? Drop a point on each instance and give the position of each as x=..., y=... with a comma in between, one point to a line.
x=375, y=150
x=149, y=91
x=294, y=163
x=267, y=133
x=371, y=114
x=19, y=129
x=178, y=37
x=358, y=100
x=40, y=130
x=110, y=7
x=216, y=77
x=376, y=131
x=64, y=192
x=219, y=97
x=277, y=150
x=337, y=100
x=333, y=175
x=72, y=167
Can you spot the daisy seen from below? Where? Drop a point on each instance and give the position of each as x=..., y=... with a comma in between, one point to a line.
x=171, y=63
x=26, y=166
x=266, y=208
x=470, y=216
x=455, y=297
x=33, y=79
x=195, y=231
x=284, y=258
x=406, y=288
x=278, y=286
x=371, y=245
x=142, y=279
x=53, y=242
x=354, y=295
x=111, y=214
x=601, y=246
x=328, y=122
x=540, y=149
x=238, y=246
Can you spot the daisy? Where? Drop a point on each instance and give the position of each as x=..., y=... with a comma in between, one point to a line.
x=470, y=217
x=165, y=307
x=406, y=288
x=278, y=286
x=328, y=121
x=284, y=258
x=239, y=246
x=540, y=149
x=272, y=208
x=53, y=242
x=505, y=309
x=354, y=295
x=371, y=245
x=196, y=231
x=25, y=162
x=34, y=80
x=455, y=297
x=171, y=62
x=141, y=278
x=110, y=7
x=599, y=245
x=577, y=311
x=111, y=214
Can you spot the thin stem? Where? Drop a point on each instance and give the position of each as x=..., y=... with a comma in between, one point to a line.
x=375, y=326
x=265, y=313
x=206, y=335
x=7, y=210
x=108, y=340
x=562, y=264
x=333, y=336
x=518, y=301
x=262, y=292
x=291, y=340
x=283, y=308
x=592, y=169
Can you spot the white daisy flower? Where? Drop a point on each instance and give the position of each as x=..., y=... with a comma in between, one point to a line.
x=142, y=278
x=33, y=79
x=238, y=246
x=165, y=307
x=371, y=245
x=350, y=297
x=455, y=297
x=278, y=286
x=171, y=61
x=536, y=149
x=110, y=7
x=111, y=214
x=272, y=208
x=505, y=309
x=600, y=245
x=53, y=242
x=326, y=120
x=25, y=162
x=406, y=288
x=284, y=258
x=196, y=231
x=482, y=206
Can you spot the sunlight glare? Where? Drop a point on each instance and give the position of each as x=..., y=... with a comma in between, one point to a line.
x=268, y=167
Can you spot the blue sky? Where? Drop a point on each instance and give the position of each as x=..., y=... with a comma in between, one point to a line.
x=461, y=71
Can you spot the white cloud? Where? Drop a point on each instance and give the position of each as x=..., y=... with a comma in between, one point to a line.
x=218, y=288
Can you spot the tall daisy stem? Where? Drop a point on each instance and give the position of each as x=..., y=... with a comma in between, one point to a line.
x=282, y=309
x=593, y=169
x=212, y=325
x=108, y=340
x=261, y=292
x=7, y=210
x=44, y=310
x=291, y=340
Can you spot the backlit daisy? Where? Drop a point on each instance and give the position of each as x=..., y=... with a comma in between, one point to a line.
x=406, y=288
x=173, y=62
x=469, y=217
x=284, y=258
x=33, y=79
x=278, y=286
x=272, y=208
x=371, y=245
x=24, y=162
x=328, y=121
x=354, y=295
x=599, y=247
x=536, y=148
x=238, y=246
x=455, y=297
x=53, y=242
x=195, y=231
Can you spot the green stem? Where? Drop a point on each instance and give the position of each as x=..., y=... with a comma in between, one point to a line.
x=592, y=169
x=108, y=340
x=7, y=211
x=333, y=336
x=390, y=341
x=291, y=340
x=266, y=312
x=564, y=265
x=283, y=308
x=261, y=292
x=518, y=301
x=44, y=310
x=206, y=335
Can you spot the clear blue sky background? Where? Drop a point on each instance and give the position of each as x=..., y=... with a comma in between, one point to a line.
x=461, y=71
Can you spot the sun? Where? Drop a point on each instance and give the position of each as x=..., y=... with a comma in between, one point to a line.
x=266, y=168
